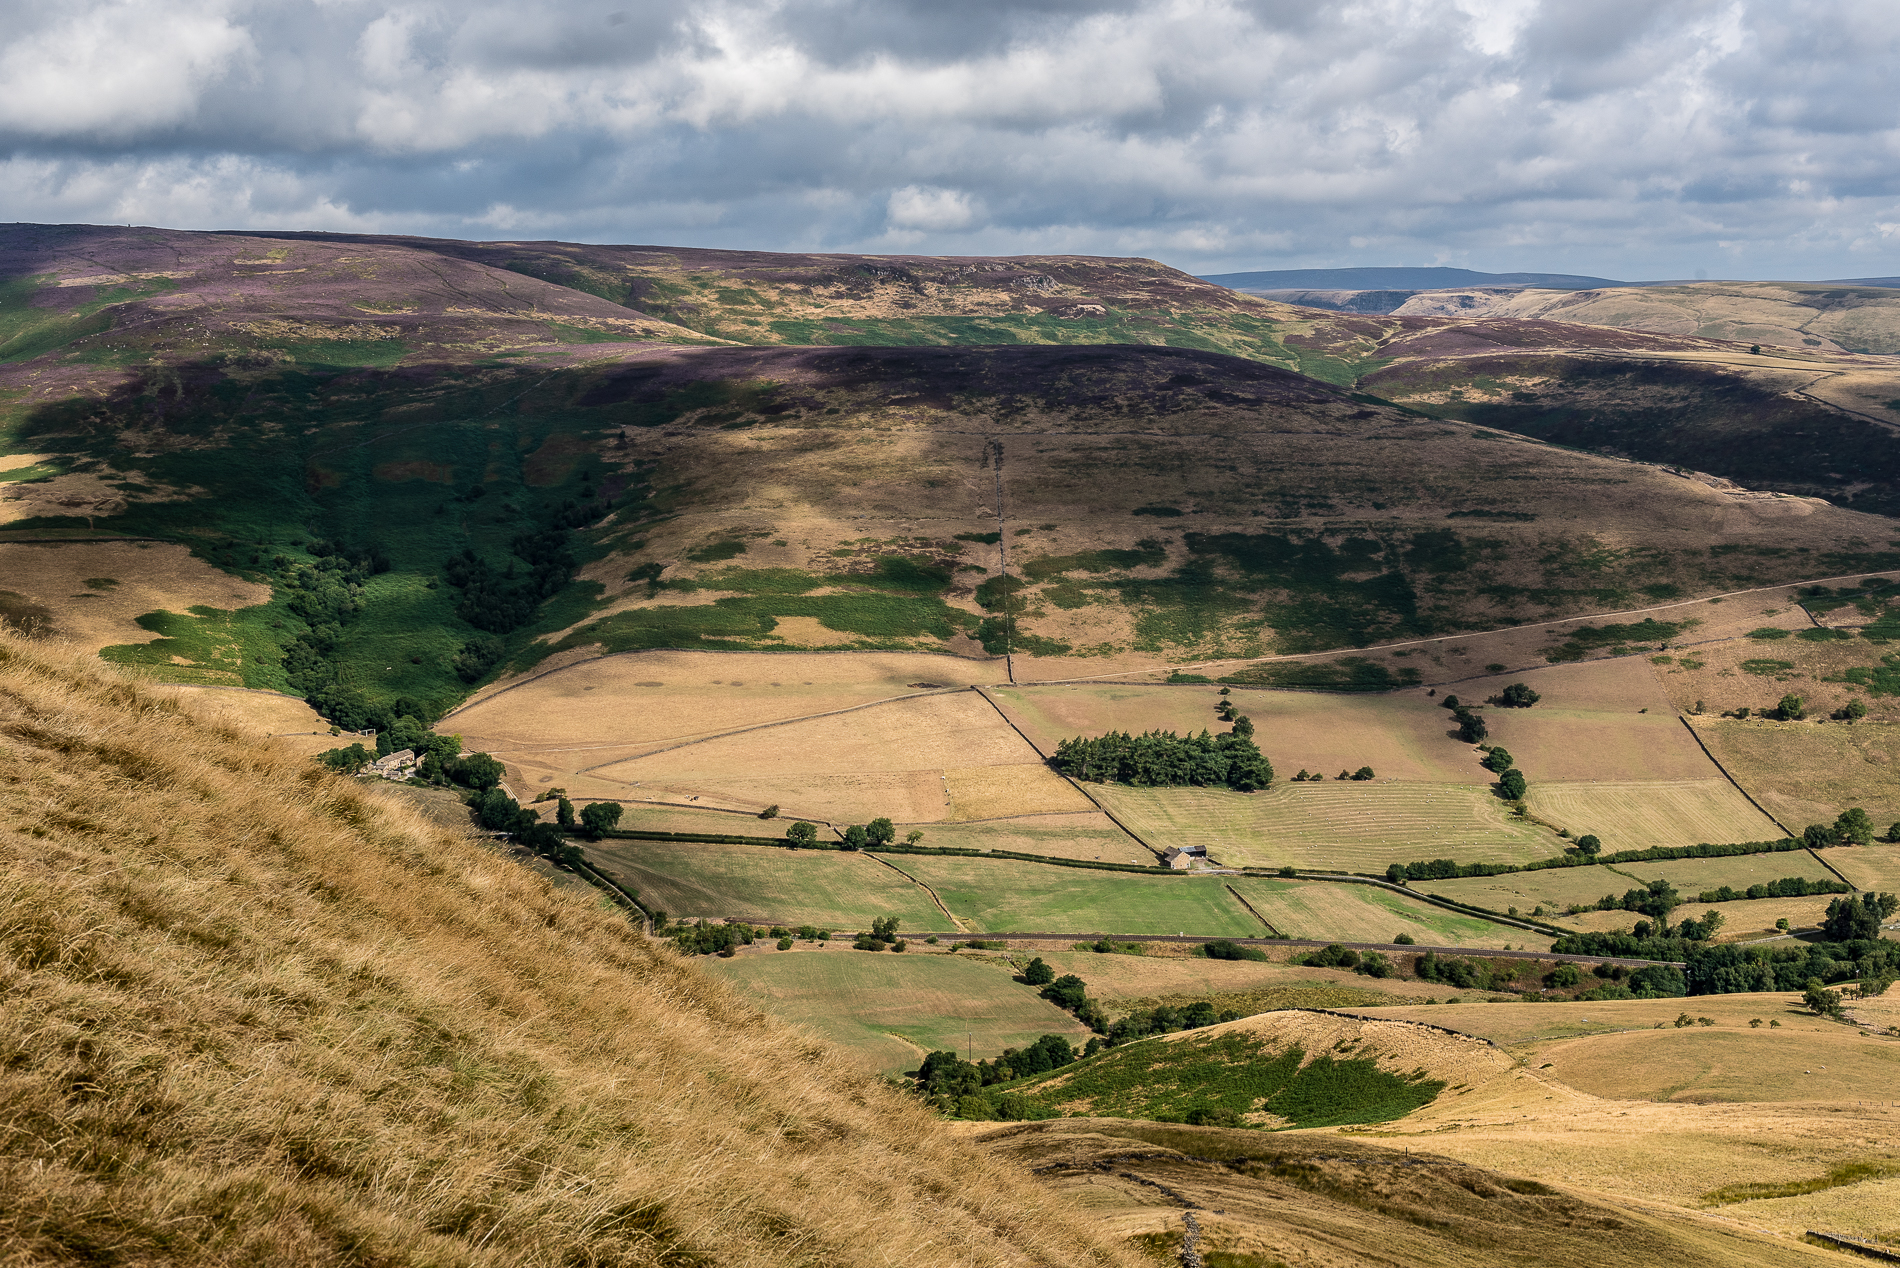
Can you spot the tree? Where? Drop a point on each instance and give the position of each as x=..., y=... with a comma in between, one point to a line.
x=802, y=835
x=1817, y=836
x=1343, y=775
x=1820, y=1001
x=880, y=832
x=347, y=761
x=1789, y=709
x=855, y=837
x=1038, y=973
x=1243, y=726
x=599, y=817
x=913, y=836
x=884, y=928
x=1854, y=827
x=1893, y=833
x=1850, y=919
x=478, y=771
x=770, y=812
x=1589, y=846
x=564, y=813
x=1853, y=711
x=1518, y=696
x=1471, y=727
x=1513, y=785
x=1498, y=760
x=1364, y=773
x=1563, y=976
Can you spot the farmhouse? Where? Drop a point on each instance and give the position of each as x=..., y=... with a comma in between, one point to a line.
x=1182, y=857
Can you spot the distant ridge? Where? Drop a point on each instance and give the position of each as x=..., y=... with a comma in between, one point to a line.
x=1373, y=279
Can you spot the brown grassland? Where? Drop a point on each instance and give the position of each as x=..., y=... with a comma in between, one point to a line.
x=254, y=1014
x=143, y=576
x=1357, y=827
x=1627, y=815
x=1868, y=866
x=1809, y=772
x=1714, y=674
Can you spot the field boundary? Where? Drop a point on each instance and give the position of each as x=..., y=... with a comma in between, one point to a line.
x=1836, y=1241
x=1112, y=817
x=1716, y=762
x=949, y=915
x=1256, y=911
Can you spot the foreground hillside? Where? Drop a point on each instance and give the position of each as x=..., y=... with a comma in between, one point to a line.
x=256, y=1014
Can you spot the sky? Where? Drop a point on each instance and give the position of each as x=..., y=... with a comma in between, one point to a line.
x=1631, y=139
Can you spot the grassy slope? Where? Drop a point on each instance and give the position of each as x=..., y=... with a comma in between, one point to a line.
x=337, y=1034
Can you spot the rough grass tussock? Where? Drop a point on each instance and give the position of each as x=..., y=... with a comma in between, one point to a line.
x=252, y=1013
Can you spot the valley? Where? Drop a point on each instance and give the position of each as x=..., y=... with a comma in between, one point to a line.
x=1504, y=703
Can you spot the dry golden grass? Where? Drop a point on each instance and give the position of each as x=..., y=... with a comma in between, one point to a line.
x=1342, y=826
x=254, y=1015
x=1867, y=866
x=1808, y=773
x=293, y=726
x=1636, y=816
x=1714, y=674
x=1127, y=982
x=149, y=576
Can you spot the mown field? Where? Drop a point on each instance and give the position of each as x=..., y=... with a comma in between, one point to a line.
x=893, y=1010
x=1638, y=816
x=1351, y=827
x=759, y=883
x=1364, y=913
x=1168, y=975
x=1004, y=896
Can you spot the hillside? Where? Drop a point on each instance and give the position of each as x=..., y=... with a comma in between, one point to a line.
x=259, y=1014
x=375, y=472
x=1829, y=317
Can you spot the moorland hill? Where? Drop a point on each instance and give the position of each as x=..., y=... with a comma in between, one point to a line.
x=257, y=1013
x=445, y=469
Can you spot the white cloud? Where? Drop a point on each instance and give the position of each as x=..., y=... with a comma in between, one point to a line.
x=1624, y=137
x=937, y=210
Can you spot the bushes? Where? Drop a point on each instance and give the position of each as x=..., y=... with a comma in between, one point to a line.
x=1224, y=949
x=1448, y=869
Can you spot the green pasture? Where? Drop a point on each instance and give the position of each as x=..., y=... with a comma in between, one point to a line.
x=830, y=889
x=1004, y=896
x=1332, y=826
x=1329, y=912
x=892, y=1010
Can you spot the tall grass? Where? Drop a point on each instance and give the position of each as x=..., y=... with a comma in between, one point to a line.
x=251, y=1012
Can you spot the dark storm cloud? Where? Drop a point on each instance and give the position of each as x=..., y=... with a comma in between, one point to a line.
x=1620, y=137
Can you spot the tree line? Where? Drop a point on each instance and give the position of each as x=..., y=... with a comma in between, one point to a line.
x=1163, y=759
x=1451, y=869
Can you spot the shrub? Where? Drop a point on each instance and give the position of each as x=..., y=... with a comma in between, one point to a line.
x=1226, y=949
x=1404, y=940
x=1038, y=973
x=1518, y=696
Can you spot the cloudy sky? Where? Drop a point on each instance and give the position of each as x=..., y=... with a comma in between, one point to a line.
x=1623, y=138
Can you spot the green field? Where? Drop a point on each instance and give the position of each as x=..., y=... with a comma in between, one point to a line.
x=1003, y=896
x=1364, y=913
x=1337, y=826
x=766, y=885
x=892, y=1010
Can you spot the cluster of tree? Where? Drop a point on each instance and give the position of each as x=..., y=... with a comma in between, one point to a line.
x=883, y=936
x=327, y=596
x=1067, y=992
x=442, y=759
x=1335, y=956
x=1732, y=968
x=1466, y=975
x=954, y=1085
x=1790, y=708
x=502, y=600
x=874, y=835
x=1242, y=724
x=1471, y=727
x=1587, y=853
x=1852, y=827
x=1162, y=759
x=1516, y=696
x=1361, y=775
x=1786, y=887
x=1160, y=1021
x=706, y=938
x=1851, y=919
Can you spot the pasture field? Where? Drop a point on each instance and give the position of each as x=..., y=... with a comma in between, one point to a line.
x=1335, y=826
x=1125, y=983
x=1329, y=912
x=1006, y=896
x=1746, y=919
x=765, y=885
x=922, y=760
x=1808, y=773
x=133, y=578
x=1555, y=888
x=1637, y=816
x=891, y=1011
x=1874, y=867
